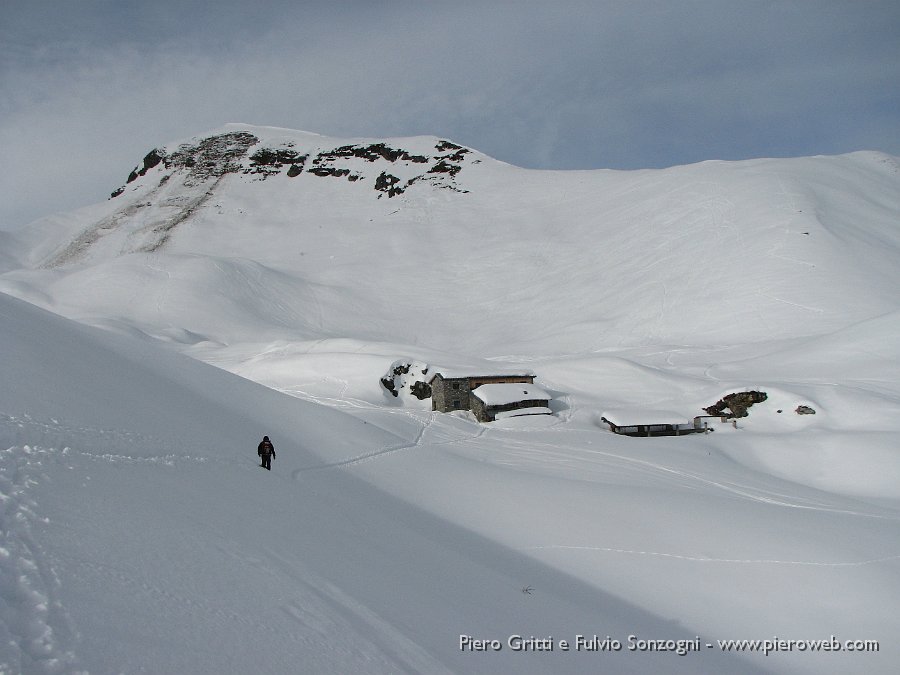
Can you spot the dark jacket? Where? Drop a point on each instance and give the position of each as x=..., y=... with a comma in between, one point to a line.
x=265, y=448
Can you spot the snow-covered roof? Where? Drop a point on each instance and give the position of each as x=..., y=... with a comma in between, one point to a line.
x=501, y=394
x=624, y=417
x=459, y=373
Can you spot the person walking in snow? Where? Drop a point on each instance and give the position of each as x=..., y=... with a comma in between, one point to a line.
x=266, y=452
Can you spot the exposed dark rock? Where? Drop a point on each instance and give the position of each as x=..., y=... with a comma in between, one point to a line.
x=447, y=145
x=405, y=376
x=269, y=162
x=388, y=384
x=457, y=156
x=265, y=156
x=436, y=182
x=387, y=183
x=278, y=157
x=804, y=410
x=216, y=156
x=388, y=381
x=329, y=171
x=323, y=164
x=421, y=390
x=212, y=157
x=151, y=159
x=736, y=403
x=443, y=166
x=117, y=192
x=370, y=153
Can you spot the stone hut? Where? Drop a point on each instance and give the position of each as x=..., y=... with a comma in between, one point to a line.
x=452, y=390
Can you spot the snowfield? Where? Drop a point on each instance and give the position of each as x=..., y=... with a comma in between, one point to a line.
x=148, y=343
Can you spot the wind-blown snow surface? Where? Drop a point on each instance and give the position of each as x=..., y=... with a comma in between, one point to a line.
x=138, y=534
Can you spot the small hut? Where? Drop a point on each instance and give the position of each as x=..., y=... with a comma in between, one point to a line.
x=651, y=423
x=486, y=395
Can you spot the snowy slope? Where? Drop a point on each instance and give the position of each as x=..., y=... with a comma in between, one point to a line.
x=139, y=535
x=713, y=253
x=644, y=290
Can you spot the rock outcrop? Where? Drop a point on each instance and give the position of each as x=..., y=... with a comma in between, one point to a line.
x=736, y=404
x=221, y=154
x=407, y=377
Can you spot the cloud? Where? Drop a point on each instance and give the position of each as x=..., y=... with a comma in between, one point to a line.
x=88, y=88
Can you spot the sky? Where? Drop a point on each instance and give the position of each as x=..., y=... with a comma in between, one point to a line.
x=88, y=88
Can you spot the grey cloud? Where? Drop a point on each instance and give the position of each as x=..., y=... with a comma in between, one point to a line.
x=86, y=90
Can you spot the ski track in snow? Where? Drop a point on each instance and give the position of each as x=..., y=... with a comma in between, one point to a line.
x=745, y=491
x=54, y=438
x=549, y=455
x=391, y=449
x=342, y=614
x=743, y=561
x=546, y=455
x=35, y=634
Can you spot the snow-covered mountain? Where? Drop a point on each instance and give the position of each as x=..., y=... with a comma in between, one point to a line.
x=414, y=233
x=314, y=265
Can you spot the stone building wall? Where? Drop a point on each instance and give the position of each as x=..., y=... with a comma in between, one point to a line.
x=450, y=394
x=454, y=393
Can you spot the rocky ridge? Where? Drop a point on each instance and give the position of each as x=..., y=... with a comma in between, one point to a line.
x=181, y=178
x=229, y=153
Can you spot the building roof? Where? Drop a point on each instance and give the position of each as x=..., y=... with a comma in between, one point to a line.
x=501, y=394
x=465, y=373
x=634, y=416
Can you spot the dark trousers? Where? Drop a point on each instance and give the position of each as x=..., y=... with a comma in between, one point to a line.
x=266, y=461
